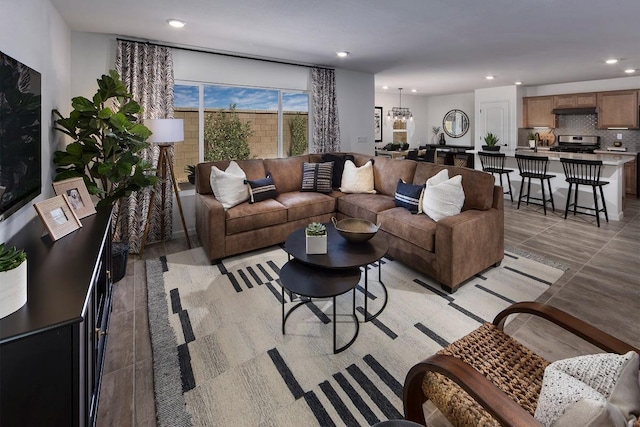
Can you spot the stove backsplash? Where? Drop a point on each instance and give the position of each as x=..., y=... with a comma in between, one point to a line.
x=585, y=124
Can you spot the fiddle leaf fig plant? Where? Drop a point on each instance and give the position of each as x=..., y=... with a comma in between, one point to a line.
x=107, y=140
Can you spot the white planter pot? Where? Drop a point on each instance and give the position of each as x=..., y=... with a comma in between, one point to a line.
x=532, y=143
x=13, y=289
x=316, y=244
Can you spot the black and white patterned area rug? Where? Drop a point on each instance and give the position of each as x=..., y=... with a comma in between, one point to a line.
x=220, y=358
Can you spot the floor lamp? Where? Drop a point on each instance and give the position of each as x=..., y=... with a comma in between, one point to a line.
x=165, y=133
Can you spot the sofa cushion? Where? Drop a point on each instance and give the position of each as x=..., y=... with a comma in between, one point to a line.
x=229, y=185
x=443, y=197
x=338, y=160
x=417, y=229
x=478, y=187
x=409, y=196
x=261, y=189
x=387, y=172
x=286, y=172
x=357, y=179
x=317, y=177
x=302, y=205
x=248, y=217
x=365, y=206
x=253, y=169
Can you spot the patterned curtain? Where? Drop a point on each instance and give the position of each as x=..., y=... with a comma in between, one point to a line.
x=147, y=71
x=326, y=127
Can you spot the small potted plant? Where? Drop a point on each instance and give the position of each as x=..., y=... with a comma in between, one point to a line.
x=13, y=279
x=316, y=238
x=532, y=140
x=491, y=142
x=191, y=170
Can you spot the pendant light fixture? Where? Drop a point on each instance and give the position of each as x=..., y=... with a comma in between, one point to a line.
x=400, y=113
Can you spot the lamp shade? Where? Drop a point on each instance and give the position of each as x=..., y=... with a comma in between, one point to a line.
x=165, y=131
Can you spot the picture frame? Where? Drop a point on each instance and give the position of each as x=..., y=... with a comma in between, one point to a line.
x=58, y=216
x=377, y=122
x=76, y=191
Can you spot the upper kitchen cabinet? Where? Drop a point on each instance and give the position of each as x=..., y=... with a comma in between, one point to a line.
x=575, y=100
x=538, y=112
x=618, y=109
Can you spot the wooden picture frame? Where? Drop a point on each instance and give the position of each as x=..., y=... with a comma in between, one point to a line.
x=377, y=123
x=76, y=191
x=58, y=216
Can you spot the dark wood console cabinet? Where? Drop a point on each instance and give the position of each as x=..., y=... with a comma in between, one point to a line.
x=52, y=349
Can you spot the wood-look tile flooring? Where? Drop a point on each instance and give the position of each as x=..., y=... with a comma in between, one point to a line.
x=602, y=286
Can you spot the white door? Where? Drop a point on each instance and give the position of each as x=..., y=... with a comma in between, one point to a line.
x=494, y=118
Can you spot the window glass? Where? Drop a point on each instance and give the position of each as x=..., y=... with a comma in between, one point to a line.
x=186, y=101
x=295, y=129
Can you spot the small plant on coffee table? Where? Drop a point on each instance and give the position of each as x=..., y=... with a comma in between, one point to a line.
x=316, y=229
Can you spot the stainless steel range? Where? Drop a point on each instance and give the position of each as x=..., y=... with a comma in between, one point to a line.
x=577, y=143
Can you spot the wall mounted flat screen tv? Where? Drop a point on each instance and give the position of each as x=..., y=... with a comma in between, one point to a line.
x=20, y=135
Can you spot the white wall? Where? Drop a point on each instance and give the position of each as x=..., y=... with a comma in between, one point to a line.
x=355, y=110
x=419, y=132
x=588, y=86
x=32, y=32
x=439, y=106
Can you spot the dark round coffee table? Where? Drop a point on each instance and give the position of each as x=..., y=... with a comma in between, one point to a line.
x=312, y=282
x=342, y=254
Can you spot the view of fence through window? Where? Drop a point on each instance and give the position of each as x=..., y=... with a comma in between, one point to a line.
x=238, y=122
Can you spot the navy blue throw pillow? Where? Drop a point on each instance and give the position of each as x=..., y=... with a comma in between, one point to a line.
x=408, y=196
x=261, y=189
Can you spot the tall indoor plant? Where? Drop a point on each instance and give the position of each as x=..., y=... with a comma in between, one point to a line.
x=107, y=142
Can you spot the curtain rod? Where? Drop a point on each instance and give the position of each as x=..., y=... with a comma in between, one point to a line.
x=231, y=55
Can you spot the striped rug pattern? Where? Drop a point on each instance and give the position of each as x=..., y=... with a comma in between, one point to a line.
x=220, y=357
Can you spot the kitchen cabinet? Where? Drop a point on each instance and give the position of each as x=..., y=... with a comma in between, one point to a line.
x=575, y=100
x=538, y=112
x=618, y=109
x=52, y=349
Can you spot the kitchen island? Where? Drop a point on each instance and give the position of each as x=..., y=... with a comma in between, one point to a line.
x=612, y=172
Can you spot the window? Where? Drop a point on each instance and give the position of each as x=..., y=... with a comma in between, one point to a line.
x=277, y=120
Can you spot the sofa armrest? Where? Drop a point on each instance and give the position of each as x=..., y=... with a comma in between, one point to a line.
x=468, y=243
x=211, y=225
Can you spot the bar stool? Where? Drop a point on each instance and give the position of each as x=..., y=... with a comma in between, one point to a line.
x=584, y=172
x=535, y=167
x=494, y=163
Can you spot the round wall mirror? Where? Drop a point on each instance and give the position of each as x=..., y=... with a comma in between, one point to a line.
x=455, y=123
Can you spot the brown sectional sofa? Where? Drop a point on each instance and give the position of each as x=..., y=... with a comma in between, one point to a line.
x=451, y=250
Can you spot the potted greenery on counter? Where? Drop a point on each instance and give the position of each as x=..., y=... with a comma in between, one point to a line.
x=491, y=142
x=316, y=238
x=13, y=279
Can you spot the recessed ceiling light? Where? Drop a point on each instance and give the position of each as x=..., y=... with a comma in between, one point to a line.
x=342, y=53
x=490, y=77
x=385, y=87
x=414, y=90
x=517, y=83
x=629, y=71
x=611, y=61
x=176, y=23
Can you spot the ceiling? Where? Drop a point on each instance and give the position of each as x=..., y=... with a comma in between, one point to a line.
x=434, y=46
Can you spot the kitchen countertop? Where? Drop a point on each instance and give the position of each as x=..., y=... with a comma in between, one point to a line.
x=607, y=157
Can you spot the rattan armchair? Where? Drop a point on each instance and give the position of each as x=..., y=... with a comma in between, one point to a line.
x=488, y=378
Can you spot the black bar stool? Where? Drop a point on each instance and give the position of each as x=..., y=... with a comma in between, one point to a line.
x=494, y=163
x=584, y=172
x=535, y=167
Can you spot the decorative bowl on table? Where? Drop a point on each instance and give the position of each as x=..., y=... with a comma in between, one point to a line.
x=355, y=229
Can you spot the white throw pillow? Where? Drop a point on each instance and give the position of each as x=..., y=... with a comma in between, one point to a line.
x=228, y=186
x=615, y=376
x=443, y=197
x=565, y=401
x=357, y=180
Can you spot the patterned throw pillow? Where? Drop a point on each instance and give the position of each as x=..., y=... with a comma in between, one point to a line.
x=338, y=166
x=262, y=189
x=229, y=186
x=358, y=179
x=317, y=177
x=409, y=196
